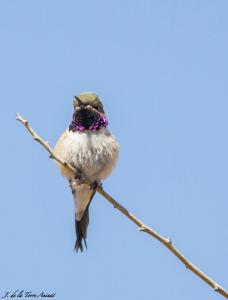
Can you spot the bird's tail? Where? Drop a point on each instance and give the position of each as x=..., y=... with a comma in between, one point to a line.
x=83, y=196
x=81, y=230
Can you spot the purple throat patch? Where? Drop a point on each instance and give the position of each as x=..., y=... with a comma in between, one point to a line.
x=87, y=122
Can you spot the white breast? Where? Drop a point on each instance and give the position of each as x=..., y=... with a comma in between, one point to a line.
x=95, y=153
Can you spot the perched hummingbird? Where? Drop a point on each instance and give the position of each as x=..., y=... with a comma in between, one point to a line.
x=88, y=146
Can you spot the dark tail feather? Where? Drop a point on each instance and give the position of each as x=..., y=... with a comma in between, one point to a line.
x=81, y=231
x=81, y=227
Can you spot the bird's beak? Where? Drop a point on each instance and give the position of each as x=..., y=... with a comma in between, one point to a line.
x=84, y=106
x=79, y=101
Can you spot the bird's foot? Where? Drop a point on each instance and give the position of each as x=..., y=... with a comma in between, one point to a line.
x=78, y=175
x=78, y=179
x=95, y=184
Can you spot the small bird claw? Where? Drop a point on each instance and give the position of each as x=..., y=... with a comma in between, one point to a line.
x=78, y=174
x=95, y=184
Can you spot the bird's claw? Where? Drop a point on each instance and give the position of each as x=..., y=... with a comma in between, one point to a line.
x=95, y=184
x=78, y=174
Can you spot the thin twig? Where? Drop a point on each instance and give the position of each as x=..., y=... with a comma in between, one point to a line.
x=142, y=227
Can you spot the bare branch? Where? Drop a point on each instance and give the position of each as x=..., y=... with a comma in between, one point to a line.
x=142, y=227
x=45, y=145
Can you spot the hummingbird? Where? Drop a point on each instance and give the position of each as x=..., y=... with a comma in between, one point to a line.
x=88, y=146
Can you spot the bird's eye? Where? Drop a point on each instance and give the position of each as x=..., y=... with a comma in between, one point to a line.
x=96, y=107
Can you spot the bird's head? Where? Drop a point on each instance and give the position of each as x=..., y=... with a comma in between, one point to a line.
x=88, y=113
x=88, y=100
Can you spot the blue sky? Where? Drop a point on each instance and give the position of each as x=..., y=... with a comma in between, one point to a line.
x=161, y=69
